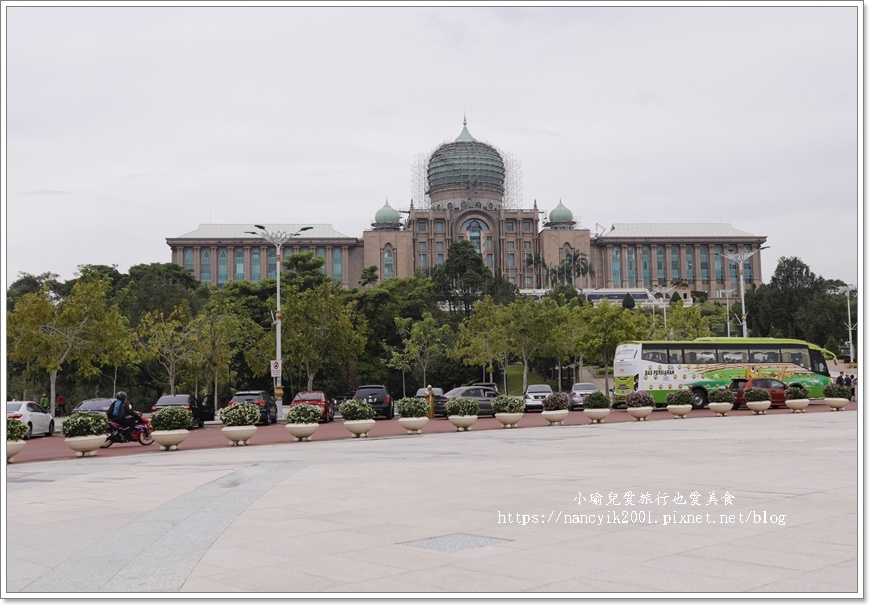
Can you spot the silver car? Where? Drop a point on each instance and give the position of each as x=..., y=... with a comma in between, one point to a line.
x=535, y=395
x=579, y=392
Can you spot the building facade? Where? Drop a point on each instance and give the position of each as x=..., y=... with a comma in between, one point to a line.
x=469, y=192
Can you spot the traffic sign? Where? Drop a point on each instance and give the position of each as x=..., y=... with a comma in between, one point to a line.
x=275, y=364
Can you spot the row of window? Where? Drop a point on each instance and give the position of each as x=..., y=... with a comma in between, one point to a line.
x=510, y=226
x=237, y=264
x=693, y=271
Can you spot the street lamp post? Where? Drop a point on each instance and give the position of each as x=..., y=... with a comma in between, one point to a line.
x=664, y=292
x=278, y=239
x=847, y=290
x=740, y=258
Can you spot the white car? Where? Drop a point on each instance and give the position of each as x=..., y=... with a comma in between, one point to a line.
x=535, y=395
x=33, y=415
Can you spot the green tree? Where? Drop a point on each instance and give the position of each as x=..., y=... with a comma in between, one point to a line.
x=628, y=301
x=161, y=288
x=482, y=340
x=531, y=326
x=369, y=276
x=169, y=340
x=612, y=325
x=304, y=271
x=463, y=279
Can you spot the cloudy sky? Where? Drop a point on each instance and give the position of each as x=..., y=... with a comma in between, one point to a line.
x=125, y=125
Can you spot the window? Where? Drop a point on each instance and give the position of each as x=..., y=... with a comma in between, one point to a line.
x=655, y=353
x=700, y=354
x=717, y=263
x=528, y=282
x=616, y=268
x=797, y=355
x=660, y=265
x=631, y=268
x=271, y=272
x=188, y=259
x=489, y=260
x=336, y=264
x=222, y=266
x=510, y=245
x=728, y=354
x=474, y=228
x=439, y=226
x=421, y=245
x=645, y=266
x=675, y=263
x=509, y=226
x=440, y=259
x=527, y=226
x=388, y=264
x=527, y=245
x=205, y=266
x=489, y=242
x=705, y=270
x=421, y=225
x=421, y=258
x=690, y=263
x=512, y=260
x=439, y=245
x=255, y=264
x=747, y=269
x=239, y=273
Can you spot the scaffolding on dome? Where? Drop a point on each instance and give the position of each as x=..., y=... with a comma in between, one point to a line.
x=513, y=180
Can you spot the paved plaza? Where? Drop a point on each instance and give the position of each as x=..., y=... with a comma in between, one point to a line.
x=706, y=505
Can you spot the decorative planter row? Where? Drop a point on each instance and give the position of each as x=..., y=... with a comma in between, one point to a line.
x=836, y=403
x=13, y=448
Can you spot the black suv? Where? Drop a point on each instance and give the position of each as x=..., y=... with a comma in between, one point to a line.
x=199, y=412
x=268, y=407
x=378, y=397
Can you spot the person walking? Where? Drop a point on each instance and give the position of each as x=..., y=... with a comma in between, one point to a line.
x=43, y=401
x=61, y=406
x=854, y=385
x=840, y=379
x=430, y=397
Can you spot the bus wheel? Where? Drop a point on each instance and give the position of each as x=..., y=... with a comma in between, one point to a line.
x=699, y=399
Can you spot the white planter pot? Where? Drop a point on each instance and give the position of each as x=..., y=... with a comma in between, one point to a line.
x=13, y=448
x=836, y=403
x=509, y=420
x=797, y=405
x=302, y=431
x=554, y=417
x=680, y=411
x=720, y=407
x=414, y=426
x=359, y=428
x=462, y=423
x=85, y=446
x=239, y=435
x=596, y=415
x=758, y=406
x=640, y=413
x=170, y=440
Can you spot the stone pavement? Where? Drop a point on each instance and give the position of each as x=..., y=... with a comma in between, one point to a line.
x=478, y=512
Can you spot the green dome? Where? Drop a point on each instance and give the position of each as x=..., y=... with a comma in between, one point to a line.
x=466, y=161
x=387, y=214
x=561, y=214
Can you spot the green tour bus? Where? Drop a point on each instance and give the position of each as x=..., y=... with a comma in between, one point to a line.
x=703, y=364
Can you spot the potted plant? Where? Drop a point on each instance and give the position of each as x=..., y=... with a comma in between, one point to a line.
x=358, y=416
x=85, y=432
x=462, y=412
x=836, y=396
x=597, y=407
x=303, y=419
x=240, y=422
x=679, y=403
x=796, y=399
x=721, y=401
x=508, y=410
x=169, y=426
x=413, y=414
x=639, y=404
x=757, y=399
x=555, y=408
x=16, y=431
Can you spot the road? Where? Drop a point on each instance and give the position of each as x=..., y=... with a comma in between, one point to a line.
x=54, y=448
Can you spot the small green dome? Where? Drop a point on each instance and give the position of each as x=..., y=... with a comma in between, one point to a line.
x=387, y=214
x=561, y=214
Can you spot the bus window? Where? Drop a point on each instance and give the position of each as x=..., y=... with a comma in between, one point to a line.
x=799, y=356
x=705, y=354
x=657, y=354
x=733, y=355
x=675, y=354
x=820, y=366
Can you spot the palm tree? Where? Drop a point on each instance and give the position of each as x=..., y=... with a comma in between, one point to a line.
x=577, y=265
x=537, y=261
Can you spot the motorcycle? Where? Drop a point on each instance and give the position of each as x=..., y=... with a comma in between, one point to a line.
x=141, y=433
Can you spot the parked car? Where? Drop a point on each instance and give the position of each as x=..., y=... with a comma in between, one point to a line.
x=99, y=404
x=535, y=395
x=489, y=385
x=188, y=402
x=268, y=406
x=440, y=401
x=319, y=399
x=483, y=395
x=579, y=392
x=36, y=417
x=379, y=397
x=775, y=388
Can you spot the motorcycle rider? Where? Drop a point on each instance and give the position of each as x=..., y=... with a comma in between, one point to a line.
x=122, y=414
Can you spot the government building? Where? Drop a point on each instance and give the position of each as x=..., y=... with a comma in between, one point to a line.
x=469, y=190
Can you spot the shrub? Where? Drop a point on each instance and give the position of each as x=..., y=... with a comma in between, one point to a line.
x=840, y=391
x=796, y=392
x=639, y=399
x=721, y=396
x=597, y=400
x=681, y=397
x=240, y=414
x=84, y=424
x=756, y=394
x=356, y=409
x=171, y=418
x=412, y=407
x=508, y=404
x=556, y=401
x=462, y=406
x=15, y=429
x=304, y=413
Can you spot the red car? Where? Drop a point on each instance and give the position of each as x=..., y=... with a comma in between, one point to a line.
x=319, y=399
x=775, y=388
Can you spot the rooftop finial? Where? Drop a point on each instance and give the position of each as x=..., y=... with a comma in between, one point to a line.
x=464, y=122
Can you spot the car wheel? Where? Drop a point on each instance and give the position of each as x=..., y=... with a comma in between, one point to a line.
x=29, y=431
x=50, y=429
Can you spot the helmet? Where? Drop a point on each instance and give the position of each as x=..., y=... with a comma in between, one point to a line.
x=121, y=395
